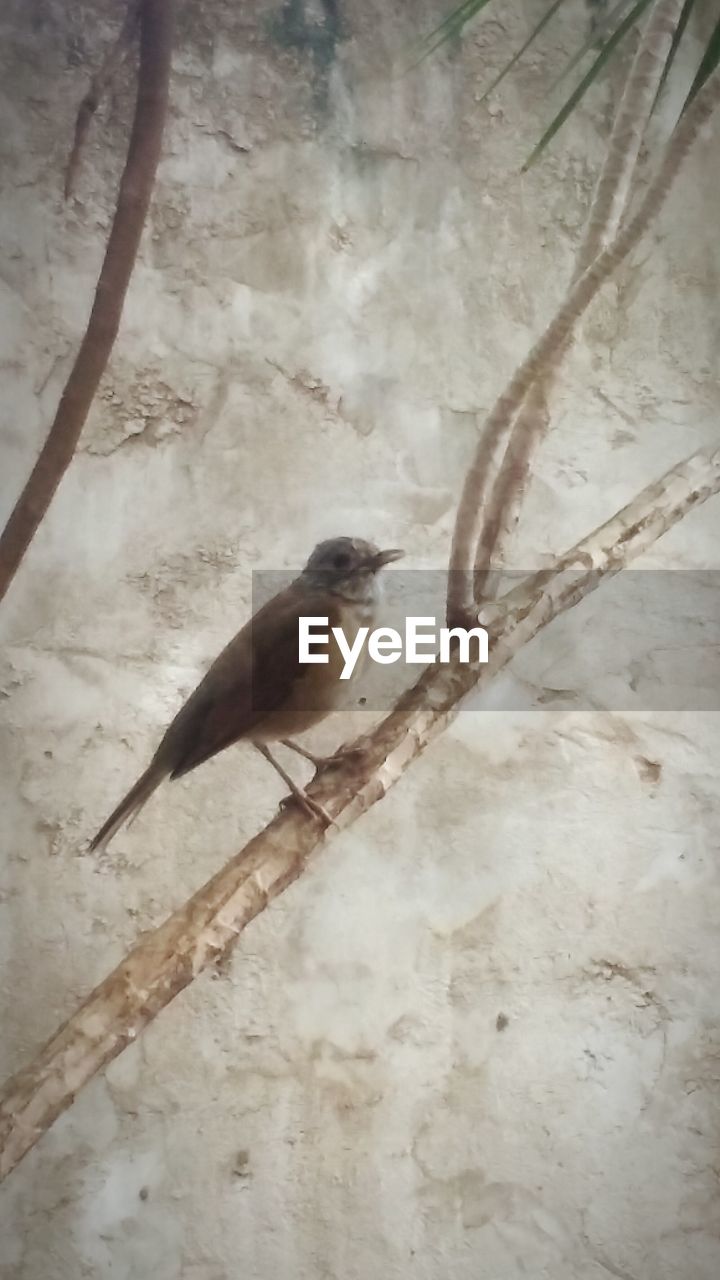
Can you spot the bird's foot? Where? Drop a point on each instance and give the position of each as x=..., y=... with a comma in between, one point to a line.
x=299, y=794
x=311, y=807
x=325, y=762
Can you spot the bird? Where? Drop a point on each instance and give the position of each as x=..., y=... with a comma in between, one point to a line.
x=257, y=690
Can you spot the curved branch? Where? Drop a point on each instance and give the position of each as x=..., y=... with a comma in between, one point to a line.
x=610, y=200
x=156, y=21
x=168, y=958
x=612, y=193
x=503, y=508
x=546, y=350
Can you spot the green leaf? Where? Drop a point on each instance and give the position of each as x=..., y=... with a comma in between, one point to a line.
x=451, y=26
x=605, y=53
x=594, y=40
x=710, y=60
x=516, y=57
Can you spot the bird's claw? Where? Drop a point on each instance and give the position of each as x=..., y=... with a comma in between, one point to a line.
x=335, y=761
x=311, y=807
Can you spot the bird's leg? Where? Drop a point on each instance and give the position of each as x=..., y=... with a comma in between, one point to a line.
x=342, y=753
x=308, y=804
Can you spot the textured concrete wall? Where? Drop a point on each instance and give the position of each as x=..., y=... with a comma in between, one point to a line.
x=479, y=1038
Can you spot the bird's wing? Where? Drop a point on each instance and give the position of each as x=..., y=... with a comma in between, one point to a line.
x=252, y=677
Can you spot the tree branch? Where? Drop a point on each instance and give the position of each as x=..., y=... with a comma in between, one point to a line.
x=168, y=958
x=612, y=194
x=156, y=22
x=610, y=200
x=502, y=513
x=545, y=351
x=99, y=84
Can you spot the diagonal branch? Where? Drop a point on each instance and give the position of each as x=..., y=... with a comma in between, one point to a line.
x=545, y=351
x=168, y=958
x=156, y=23
x=103, y=77
x=611, y=198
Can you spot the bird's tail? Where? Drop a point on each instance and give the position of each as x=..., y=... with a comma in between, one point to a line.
x=131, y=805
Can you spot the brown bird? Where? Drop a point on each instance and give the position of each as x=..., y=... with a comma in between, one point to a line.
x=257, y=689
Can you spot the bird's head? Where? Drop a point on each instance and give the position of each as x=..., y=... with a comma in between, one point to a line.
x=347, y=566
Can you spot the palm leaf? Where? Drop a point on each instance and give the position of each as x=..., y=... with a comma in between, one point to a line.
x=710, y=60
x=606, y=52
x=594, y=40
x=516, y=57
x=451, y=26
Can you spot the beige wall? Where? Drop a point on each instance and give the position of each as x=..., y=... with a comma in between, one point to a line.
x=335, y=281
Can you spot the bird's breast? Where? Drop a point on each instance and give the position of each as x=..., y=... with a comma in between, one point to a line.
x=320, y=689
x=353, y=616
x=322, y=686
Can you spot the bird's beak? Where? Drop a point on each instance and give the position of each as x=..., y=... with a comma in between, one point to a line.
x=386, y=557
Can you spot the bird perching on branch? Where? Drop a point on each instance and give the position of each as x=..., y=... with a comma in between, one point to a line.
x=257, y=690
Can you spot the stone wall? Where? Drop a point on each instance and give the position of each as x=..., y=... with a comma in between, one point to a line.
x=479, y=1038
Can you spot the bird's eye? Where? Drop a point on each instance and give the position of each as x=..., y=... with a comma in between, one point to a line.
x=341, y=560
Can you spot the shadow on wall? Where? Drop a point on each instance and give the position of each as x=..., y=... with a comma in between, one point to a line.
x=314, y=29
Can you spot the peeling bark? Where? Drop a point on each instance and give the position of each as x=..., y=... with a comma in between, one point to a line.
x=136, y=184
x=204, y=930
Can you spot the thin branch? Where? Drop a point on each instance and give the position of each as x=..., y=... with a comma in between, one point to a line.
x=502, y=514
x=156, y=22
x=612, y=193
x=611, y=199
x=168, y=958
x=99, y=86
x=545, y=351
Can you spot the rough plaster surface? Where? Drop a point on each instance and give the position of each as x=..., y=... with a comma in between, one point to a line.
x=479, y=1038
